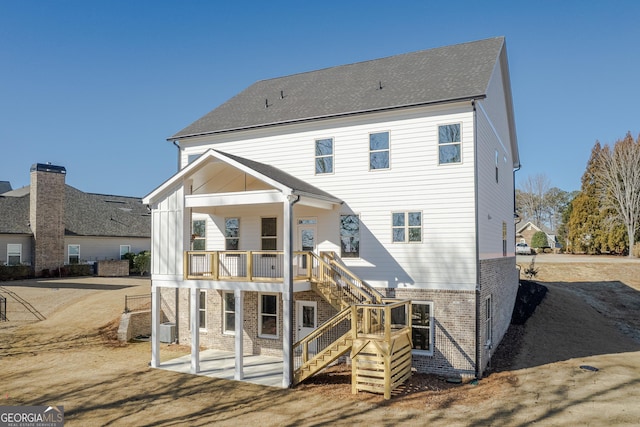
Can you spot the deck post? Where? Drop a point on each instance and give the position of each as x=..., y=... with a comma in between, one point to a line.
x=195, y=330
x=155, y=326
x=239, y=321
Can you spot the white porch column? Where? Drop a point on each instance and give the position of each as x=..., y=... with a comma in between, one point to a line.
x=239, y=309
x=195, y=330
x=155, y=326
x=287, y=294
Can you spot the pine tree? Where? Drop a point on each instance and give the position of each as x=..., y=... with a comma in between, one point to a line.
x=585, y=220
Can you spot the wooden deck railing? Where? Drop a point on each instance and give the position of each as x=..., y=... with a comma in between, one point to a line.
x=252, y=266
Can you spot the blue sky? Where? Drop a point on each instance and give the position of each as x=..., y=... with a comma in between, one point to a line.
x=97, y=86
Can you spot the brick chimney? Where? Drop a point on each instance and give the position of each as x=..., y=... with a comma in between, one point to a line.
x=46, y=216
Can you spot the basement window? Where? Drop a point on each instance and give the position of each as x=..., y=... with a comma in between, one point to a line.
x=268, y=316
x=422, y=327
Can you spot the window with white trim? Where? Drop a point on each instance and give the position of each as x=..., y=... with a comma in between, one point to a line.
x=449, y=144
x=231, y=234
x=349, y=236
x=14, y=253
x=324, y=155
x=199, y=235
x=202, y=309
x=268, y=315
x=124, y=249
x=269, y=234
x=229, y=313
x=406, y=227
x=73, y=254
x=422, y=327
x=379, y=150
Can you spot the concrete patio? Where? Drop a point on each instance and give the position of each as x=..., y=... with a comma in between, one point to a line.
x=261, y=370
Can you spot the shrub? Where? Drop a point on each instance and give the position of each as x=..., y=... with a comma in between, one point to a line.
x=15, y=272
x=531, y=271
x=539, y=240
x=142, y=262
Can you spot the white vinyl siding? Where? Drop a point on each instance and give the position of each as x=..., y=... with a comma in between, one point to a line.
x=445, y=195
x=495, y=192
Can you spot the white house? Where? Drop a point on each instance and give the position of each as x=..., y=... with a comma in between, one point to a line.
x=306, y=194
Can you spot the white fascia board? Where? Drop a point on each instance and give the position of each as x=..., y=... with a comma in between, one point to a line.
x=316, y=203
x=236, y=198
x=178, y=177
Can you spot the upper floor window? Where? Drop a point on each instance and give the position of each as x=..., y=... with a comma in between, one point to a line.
x=269, y=234
x=449, y=144
x=379, y=150
x=349, y=236
x=231, y=234
x=324, y=156
x=73, y=254
x=407, y=227
x=124, y=250
x=198, y=235
x=14, y=253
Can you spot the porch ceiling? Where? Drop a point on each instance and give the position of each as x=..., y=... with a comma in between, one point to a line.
x=221, y=179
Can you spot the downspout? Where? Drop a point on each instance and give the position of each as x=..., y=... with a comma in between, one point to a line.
x=175, y=142
x=177, y=290
x=477, y=227
x=287, y=338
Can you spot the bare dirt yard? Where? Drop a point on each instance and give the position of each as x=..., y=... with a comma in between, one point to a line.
x=58, y=348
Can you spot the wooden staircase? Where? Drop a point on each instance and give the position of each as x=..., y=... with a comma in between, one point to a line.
x=364, y=322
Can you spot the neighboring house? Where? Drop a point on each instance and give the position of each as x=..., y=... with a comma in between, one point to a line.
x=386, y=178
x=49, y=224
x=525, y=232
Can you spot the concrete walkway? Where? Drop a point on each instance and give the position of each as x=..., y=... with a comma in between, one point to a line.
x=261, y=370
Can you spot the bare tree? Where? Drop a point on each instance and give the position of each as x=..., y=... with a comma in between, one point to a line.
x=532, y=198
x=618, y=182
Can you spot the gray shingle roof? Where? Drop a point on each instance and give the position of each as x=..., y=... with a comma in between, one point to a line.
x=431, y=76
x=14, y=215
x=86, y=214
